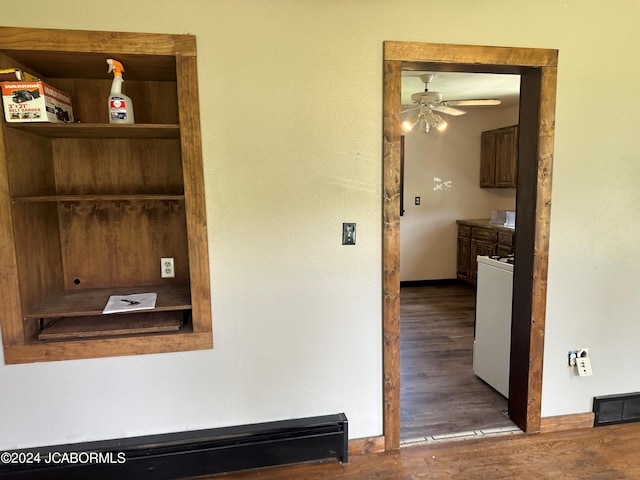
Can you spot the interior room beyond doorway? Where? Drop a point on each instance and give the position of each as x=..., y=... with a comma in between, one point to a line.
x=441, y=397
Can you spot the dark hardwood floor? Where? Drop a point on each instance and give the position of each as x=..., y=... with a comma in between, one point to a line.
x=604, y=453
x=440, y=396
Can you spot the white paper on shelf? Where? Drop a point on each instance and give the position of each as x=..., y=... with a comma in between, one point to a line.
x=130, y=303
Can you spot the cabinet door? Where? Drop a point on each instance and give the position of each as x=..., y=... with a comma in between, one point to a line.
x=488, y=159
x=479, y=248
x=505, y=244
x=506, y=157
x=464, y=256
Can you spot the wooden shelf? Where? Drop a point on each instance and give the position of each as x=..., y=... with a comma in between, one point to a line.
x=83, y=303
x=46, y=351
x=98, y=130
x=112, y=325
x=153, y=56
x=97, y=198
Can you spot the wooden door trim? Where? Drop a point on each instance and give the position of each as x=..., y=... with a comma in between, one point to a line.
x=539, y=66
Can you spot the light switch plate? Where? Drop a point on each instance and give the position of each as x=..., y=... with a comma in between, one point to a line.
x=348, y=233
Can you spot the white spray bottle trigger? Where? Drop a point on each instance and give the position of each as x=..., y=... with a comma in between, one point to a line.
x=115, y=66
x=120, y=105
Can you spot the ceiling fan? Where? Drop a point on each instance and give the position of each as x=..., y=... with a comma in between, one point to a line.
x=426, y=103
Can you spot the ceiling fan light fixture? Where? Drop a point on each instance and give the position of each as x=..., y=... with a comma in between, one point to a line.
x=440, y=124
x=410, y=123
x=424, y=120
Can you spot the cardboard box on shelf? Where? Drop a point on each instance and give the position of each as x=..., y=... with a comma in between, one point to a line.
x=35, y=101
x=13, y=74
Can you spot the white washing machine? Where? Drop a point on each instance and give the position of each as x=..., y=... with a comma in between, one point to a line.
x=492, y=345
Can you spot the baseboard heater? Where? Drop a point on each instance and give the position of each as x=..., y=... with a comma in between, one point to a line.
x=612, y=409
x=185, y=454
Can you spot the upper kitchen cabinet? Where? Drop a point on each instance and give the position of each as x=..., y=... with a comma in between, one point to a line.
x=499, y=158
x=88, y=210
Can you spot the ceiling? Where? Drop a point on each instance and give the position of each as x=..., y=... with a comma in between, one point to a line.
x=459, y=86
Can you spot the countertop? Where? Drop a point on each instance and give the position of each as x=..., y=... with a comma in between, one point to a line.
x=484, y=223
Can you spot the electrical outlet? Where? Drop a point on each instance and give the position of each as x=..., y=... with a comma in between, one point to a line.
x=574, y=355
x=417, y=200
x=167, y=269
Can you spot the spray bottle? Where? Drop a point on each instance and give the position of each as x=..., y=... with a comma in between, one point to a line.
x=120, y=106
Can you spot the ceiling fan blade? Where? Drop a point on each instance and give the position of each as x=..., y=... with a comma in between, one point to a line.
x=472, y=103
x=448, y=110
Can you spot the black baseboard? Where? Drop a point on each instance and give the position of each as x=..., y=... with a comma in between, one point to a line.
x=431, y=283
x=185, y=454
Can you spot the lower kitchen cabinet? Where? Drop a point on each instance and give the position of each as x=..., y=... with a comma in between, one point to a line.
x=478, y=237
x=464, y=254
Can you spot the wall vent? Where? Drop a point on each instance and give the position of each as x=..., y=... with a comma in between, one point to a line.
x=612, y=409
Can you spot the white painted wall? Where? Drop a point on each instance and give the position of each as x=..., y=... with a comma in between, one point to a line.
x=443, y=169
x=291, y=108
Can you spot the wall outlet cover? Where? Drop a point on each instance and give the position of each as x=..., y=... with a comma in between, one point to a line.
x=167, y=267
x=584, y=367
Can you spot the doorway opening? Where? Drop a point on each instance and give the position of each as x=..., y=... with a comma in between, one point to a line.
x=537, y=68
x=443, y=394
